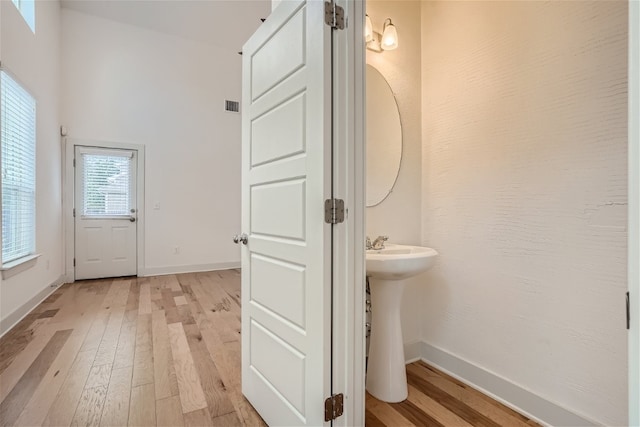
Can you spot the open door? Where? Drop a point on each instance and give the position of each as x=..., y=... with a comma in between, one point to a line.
x=286, y=251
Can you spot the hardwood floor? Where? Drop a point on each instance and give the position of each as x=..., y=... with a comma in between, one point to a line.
x=436, y=399
x=166, y=351
x=131, y=351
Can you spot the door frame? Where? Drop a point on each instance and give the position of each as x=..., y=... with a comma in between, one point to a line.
x=68, y=199
x=633, y=229
x=348, y=373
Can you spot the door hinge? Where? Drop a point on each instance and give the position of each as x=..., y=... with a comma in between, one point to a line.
x=334, y=211
x=333, y=15
x=333, y=407
x=628, y=312
x=74, y=163
x=74, y=262
x=74, y=212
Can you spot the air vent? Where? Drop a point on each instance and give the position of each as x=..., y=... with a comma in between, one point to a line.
x=233, y=106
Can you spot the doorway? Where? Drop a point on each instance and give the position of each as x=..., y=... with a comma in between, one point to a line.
x=104, y=209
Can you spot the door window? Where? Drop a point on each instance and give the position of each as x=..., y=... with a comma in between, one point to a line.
x=107, y=185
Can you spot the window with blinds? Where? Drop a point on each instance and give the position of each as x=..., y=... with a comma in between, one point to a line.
x=18, y=149
x=107, y=185
x=27, y=9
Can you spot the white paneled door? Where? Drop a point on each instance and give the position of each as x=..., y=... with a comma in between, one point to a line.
x=105, y=213
x=286, y=176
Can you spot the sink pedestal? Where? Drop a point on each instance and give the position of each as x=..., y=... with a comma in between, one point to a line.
x=386, y=372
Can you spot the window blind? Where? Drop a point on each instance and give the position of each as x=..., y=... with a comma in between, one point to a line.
x=107, y=185
x=18, y=142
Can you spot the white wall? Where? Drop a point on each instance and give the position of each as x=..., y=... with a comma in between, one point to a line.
x=35, y=61
x=398, y=216
x=126, y=84
x=524, y=184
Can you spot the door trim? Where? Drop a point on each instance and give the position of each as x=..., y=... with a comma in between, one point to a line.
x=68, y=184
x=349, y=185
x=634, y=212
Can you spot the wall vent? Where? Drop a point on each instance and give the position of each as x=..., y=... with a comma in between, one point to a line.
x=233, y=106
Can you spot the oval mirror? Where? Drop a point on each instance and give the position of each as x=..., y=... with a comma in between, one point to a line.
x=384, y=138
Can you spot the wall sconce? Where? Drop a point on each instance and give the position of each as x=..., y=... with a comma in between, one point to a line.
x=377, y=42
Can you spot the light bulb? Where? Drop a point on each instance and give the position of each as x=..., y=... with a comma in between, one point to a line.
x=389, y=36
x=368, y=29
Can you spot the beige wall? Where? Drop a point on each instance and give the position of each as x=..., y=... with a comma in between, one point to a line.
x=399, y=215
x=524, y=194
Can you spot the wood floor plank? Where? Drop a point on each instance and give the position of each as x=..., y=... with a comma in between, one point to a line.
x=227, y=357
x=116, y=404
x=199, y=418
x=230, y=284
x=385, y=413
x=170, y=281
x=99, y=325
x=42, y=399
x=436, y=411
x=143, y=358
x=48, y=313
x=214, y=388
x=460, y=409
x=169, y=412
x=192, y=396
x=169, y=306
x=371, y=420
x=226, y=420
x=63, y=408
x=125, y=350
x=131, y=310
x=108, y=345
x=499, y=406
x=416, y=415
x=142, y=411
x=16, y=369
x=166, y=383
x=145, y=299
x=499, y=413
x=98, y=376
x=17, y=399
x=90, y=407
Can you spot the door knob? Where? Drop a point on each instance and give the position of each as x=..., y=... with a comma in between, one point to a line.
x=132, y=219
x=241, y=238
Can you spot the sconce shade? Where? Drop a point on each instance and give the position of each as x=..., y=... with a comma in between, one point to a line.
x=368, y=29
x=389, y=36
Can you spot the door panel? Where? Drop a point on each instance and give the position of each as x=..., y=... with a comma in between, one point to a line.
x=284, y=123
x=278, y=209
x=105, y=195
x=286, y=176
x=281, y=54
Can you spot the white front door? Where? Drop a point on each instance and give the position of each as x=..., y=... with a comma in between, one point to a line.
x=105, y=213
x=286, y=176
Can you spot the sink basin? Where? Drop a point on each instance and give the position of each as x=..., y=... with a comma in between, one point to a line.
x=387, y=270
x=397, y=262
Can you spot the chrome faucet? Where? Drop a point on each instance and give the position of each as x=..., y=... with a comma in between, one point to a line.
x=377, y=244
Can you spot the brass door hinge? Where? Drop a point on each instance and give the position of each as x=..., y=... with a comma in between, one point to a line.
x=333, y=407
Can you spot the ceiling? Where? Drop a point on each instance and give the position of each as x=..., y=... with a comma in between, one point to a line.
x=223, y=23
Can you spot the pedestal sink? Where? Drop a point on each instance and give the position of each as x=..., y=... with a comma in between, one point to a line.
x=387, y=270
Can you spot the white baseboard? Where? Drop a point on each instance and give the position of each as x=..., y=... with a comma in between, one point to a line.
x=19, y=313
x=193, y=268
x=504, y=391
x=412, y=351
